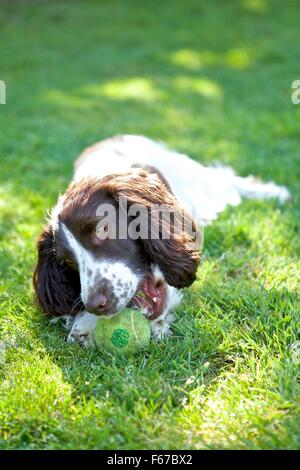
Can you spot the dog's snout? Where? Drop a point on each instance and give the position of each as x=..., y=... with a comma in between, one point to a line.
x=97, y=304
x=108, y=289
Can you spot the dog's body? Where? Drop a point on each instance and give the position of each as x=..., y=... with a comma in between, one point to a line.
x=79, y=275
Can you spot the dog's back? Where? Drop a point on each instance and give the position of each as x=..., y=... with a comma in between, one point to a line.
x=205, y=191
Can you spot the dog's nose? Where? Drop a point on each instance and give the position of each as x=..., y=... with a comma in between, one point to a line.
x=96, y=304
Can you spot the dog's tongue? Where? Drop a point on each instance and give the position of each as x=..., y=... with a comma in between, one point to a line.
x=151, y=298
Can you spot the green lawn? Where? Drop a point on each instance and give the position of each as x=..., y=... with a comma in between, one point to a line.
x=212, y=79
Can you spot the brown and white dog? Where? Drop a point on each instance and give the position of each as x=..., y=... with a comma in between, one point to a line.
x=81, y=275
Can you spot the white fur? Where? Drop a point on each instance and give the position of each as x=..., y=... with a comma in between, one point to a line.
x=205, y=191
x=122, y=279
x=82, y=327
x=54, y=213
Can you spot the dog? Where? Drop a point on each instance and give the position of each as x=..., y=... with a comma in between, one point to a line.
x=84, y=272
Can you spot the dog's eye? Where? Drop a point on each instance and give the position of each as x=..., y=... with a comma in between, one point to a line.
x=68, y=260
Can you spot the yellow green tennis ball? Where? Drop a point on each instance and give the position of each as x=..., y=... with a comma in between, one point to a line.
x=127, y=332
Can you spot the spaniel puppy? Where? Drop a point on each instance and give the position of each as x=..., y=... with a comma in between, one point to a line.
x=91, y=266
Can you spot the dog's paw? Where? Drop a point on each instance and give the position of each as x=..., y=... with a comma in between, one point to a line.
x=84, y=339
x=82, y=328
x=161, y=327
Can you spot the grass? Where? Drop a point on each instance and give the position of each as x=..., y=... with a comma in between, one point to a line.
x=212, y=79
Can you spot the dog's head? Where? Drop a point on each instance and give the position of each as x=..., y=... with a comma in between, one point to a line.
x=105, y=238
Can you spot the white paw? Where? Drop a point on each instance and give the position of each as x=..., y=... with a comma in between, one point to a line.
x=76, y=336
x=82, y=328
x=161, y=327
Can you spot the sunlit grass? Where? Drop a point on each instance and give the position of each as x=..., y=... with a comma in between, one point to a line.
x=136, y=89
x=257, y=6
x=238, y=58
x=212, y=79
x=201, y=86
x=133, y=88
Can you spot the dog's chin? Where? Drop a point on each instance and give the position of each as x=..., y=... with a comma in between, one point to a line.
x=151, y=296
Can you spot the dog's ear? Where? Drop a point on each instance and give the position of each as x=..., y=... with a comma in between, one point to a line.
x=57, y=287
x=172, y=240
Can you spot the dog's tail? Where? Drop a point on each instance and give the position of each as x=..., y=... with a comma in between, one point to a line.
x=253, y=188
x=222, y=187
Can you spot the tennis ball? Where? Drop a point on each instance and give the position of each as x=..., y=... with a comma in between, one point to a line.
x=127, y=332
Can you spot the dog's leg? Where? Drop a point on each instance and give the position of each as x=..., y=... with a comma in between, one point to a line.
x=82, y=327
x=161, y=326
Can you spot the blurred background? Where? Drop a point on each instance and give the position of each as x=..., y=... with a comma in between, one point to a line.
x=212, y=78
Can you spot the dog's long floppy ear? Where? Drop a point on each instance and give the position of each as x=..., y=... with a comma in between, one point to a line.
x=57, y=287
x=172, y=241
